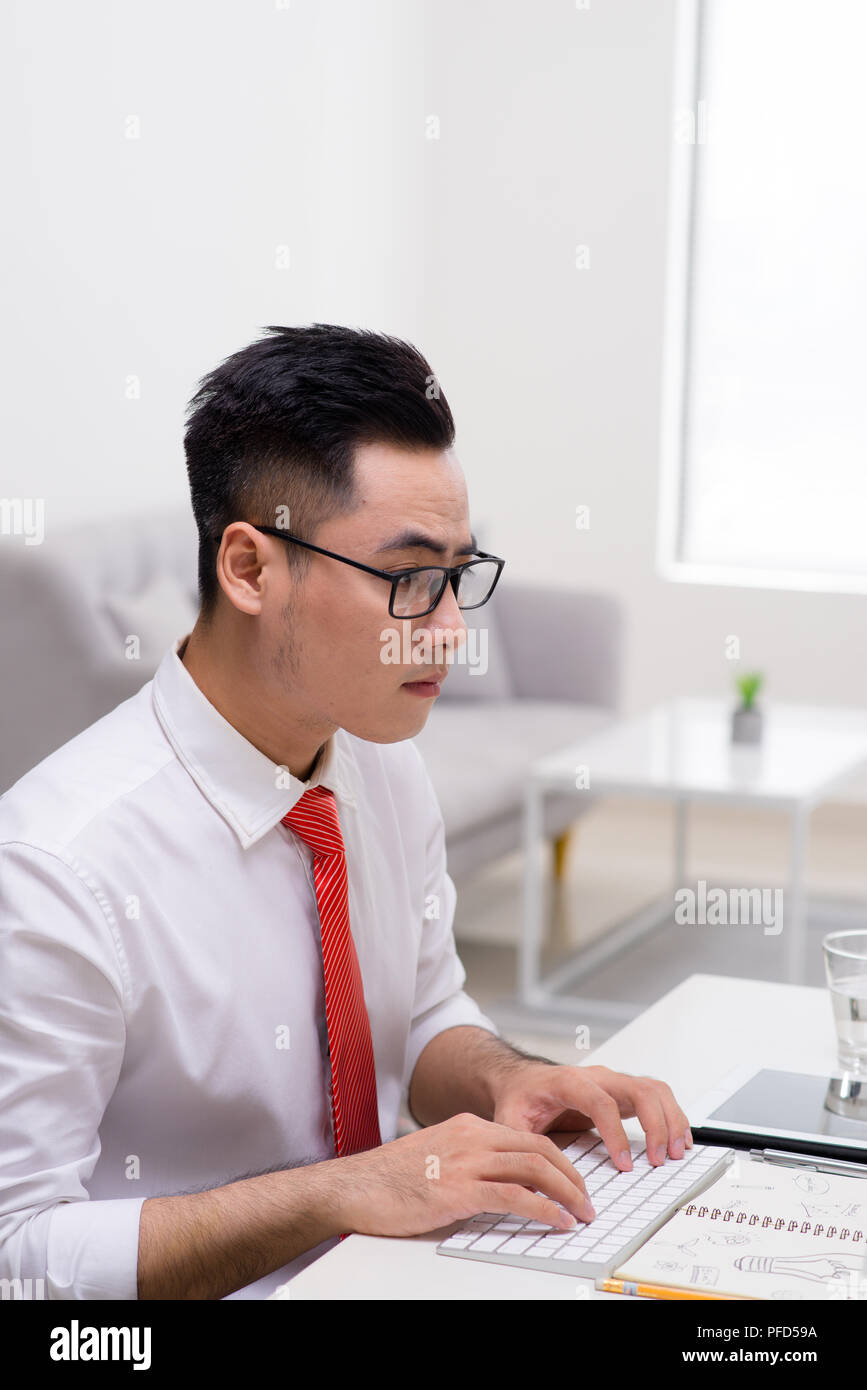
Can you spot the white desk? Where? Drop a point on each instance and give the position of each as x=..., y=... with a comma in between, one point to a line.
x=689, y=1038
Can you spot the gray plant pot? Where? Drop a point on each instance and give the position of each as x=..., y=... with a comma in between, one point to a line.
x=746, y=725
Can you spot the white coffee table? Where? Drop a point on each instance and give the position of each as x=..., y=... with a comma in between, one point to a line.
x=682, y=751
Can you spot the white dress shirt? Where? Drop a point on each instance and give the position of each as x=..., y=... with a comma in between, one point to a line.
x=162, y=1011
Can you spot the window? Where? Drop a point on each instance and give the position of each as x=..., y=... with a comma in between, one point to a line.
x=765, y=415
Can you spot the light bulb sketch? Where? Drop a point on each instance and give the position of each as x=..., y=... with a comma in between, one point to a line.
x=818, y=1268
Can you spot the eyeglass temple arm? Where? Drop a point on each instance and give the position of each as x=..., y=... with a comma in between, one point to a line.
x=285, y=536
x=383, y=574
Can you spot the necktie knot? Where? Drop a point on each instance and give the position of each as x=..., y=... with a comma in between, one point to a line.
x=314, y=819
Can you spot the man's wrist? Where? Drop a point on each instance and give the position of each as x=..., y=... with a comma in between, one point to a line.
x=464, y=1068
x=508, y=1063
x=333, y=1196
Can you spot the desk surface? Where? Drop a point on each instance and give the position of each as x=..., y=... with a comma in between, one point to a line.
x=691, y=1037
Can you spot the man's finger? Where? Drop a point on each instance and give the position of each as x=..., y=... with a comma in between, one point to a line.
x=512, y=1140
x=665, y=1124
x=679, y=1134
x=526, y=1141
x=521, y=1166
x=579, y=1093
x=648, y=1108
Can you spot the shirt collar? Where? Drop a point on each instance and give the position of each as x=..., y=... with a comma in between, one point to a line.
x=250, y=792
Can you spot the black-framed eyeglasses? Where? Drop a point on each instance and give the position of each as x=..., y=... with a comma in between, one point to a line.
x=416, y=592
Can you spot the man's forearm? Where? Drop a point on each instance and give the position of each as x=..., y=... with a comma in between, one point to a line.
x=459, y=1071
x=204, y=1245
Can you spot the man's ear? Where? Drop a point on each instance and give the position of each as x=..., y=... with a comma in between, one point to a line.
x=243, y=561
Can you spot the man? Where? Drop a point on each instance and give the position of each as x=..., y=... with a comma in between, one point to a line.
x=227, y=950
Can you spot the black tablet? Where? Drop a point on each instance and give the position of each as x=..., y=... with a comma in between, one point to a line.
x=761, y=1108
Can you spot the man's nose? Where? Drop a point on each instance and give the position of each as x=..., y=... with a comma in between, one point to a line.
x=448, y=619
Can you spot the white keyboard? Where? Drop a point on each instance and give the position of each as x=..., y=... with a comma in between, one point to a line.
x=629, y=1207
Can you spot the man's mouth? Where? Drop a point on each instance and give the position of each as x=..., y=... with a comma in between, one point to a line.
x=428, y=686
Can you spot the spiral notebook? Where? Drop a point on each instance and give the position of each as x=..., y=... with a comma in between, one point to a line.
x=762, y=1231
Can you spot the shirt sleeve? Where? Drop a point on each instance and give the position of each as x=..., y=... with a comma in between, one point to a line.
x=62, y=1037
x=440, y=1000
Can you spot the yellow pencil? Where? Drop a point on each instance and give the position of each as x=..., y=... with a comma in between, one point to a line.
x=657, y=1290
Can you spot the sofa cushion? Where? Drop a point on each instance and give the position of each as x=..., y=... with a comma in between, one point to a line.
x=157, y=615
x=483, y=671
x=478, y=755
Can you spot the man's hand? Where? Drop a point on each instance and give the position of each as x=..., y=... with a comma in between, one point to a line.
x=456, y=1169
x=539, y=1098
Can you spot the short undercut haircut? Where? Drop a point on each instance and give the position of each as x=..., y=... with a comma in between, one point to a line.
x=276, y=426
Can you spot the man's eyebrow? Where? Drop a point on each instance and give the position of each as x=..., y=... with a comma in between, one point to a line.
x=418, y=540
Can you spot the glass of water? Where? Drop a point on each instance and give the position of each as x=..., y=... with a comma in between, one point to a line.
x=846, y=972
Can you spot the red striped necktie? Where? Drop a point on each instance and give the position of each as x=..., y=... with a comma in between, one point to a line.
x=353, y=1076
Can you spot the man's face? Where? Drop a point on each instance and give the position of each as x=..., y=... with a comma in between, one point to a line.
x=330, y=627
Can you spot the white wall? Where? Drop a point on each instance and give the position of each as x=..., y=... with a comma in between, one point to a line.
x=557, y=131
x=305, y=126
x=155, y=257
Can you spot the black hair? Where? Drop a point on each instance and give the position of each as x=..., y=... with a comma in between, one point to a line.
x=277, y=424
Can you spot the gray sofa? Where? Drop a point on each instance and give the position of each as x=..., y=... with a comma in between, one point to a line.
x=69, y=606
x=553, y=677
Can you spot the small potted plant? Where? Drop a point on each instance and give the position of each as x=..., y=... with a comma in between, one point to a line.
x=747, y=718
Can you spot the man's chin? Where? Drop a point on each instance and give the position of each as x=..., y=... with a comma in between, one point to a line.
x=409, y=714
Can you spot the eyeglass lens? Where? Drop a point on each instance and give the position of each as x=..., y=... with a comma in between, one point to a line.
x=414, y=594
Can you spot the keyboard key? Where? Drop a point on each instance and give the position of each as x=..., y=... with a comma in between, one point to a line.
x=683, y=1180
x=516, y=1245
x=568, y=1253
x=624, y=1180
x=579, y=1147
x=611, y=1196
x=490, y=1242
x=608, y=1170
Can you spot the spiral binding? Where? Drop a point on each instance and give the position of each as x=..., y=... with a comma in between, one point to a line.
x=778, y=1223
